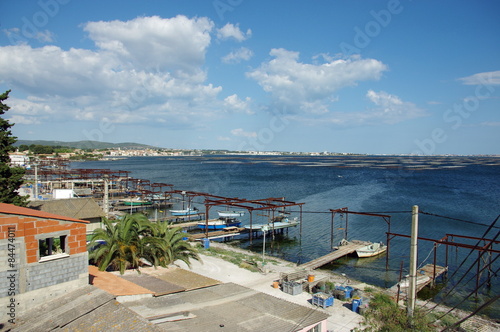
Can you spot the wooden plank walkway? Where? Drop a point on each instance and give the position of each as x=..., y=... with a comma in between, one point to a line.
x=184, y=224
x=425, y=276
x=216, y=234
x=334, y=255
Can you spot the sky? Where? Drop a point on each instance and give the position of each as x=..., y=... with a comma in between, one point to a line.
x=374, y=77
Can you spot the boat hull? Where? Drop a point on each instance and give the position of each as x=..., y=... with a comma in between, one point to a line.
x=218, y=226
x=230, y=214
x=188, y=212
x=371, y=250
x=136, y=203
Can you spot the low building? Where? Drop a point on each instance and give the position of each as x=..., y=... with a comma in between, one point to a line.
x=85, y=208
x=19, y=159
x=43, y=256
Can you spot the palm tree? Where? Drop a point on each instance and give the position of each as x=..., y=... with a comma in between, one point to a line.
x=122, y=245
x=118, y=245
x=167, y=244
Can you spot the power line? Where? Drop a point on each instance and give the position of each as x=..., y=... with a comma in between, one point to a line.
x=471, y=266
x=456, y=219
x=484, y=305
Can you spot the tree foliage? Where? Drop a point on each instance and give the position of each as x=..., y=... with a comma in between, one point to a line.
x=385, y=315
x=11, y=178
x=123, y=245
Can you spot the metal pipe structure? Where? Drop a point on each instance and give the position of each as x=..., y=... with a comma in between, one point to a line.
x=412, y=289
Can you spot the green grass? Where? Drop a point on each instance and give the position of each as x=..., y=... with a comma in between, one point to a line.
x=245, y=261
x=385, y=315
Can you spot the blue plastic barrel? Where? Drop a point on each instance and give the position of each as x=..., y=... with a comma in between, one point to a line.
x=206, y=243
x=355, y=305
x=348, y=291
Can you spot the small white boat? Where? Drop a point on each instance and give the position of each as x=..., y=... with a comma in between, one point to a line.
x=220, y=223
x=185, y=212
x=284, y=223
x=419, y=281
x=371, y=250
x=230, y=214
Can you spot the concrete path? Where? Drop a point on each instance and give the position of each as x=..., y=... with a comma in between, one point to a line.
x=342, y=319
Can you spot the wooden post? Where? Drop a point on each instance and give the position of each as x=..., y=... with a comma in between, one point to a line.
x=412, y=289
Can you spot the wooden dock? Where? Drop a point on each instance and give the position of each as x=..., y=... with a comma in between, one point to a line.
x=334, y=255
x=425, y=276
x=231, y=231
x=184, y=225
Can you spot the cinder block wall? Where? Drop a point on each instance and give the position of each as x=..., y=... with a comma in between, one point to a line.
x=37, y=282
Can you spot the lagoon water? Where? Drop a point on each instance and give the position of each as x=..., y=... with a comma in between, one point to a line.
x=457, y=195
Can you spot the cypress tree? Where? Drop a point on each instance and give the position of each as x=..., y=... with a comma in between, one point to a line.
x=11, y=178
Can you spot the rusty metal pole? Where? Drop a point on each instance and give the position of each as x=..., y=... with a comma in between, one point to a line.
x=251, y=228
x=399, y=285
x=207, y=209
x=346, y=224
x=331, y=231
x=300, y=207
x=478, y=271
x=434, y=267
x=446, y=258
x=387, y=252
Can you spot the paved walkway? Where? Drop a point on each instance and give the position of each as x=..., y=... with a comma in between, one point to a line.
x=342, y=319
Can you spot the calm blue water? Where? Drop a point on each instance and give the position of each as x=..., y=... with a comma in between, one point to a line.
x=461, y=189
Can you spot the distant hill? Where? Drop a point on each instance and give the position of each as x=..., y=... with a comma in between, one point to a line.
x=87, y=144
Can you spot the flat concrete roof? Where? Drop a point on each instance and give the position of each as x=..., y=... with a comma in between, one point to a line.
x=152, y=281
x=229, y=306
x=113, y=284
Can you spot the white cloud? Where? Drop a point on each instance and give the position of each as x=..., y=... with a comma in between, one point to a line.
x=389, y=109
x=234, y=103
x=15, y=36
x=25, y=120
x=233, y=31
x=146, y=70
x=486, y=78
x=177, y=43
x=309, y=88
x=241, y=133
x=238, y=55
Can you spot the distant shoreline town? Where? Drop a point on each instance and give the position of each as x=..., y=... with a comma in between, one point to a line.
x=93, y=150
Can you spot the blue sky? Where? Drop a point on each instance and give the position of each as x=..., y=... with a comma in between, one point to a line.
x=340, y=76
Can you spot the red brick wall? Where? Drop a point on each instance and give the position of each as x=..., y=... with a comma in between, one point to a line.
x=28, y=227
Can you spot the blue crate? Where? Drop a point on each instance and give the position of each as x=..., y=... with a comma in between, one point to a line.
x=322, y=300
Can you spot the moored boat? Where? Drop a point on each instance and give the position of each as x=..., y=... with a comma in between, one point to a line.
x=284, y=223
x=220, y=223
x=230, y=214
x=135, y=202
x=373, y=249
x=184, y=212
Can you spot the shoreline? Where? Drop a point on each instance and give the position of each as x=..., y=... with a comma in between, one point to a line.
x=220, y=269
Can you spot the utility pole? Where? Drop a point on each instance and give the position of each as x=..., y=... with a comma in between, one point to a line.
x=412, y=289
x=264, y=230
x=35, y=190
x=105, y=202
